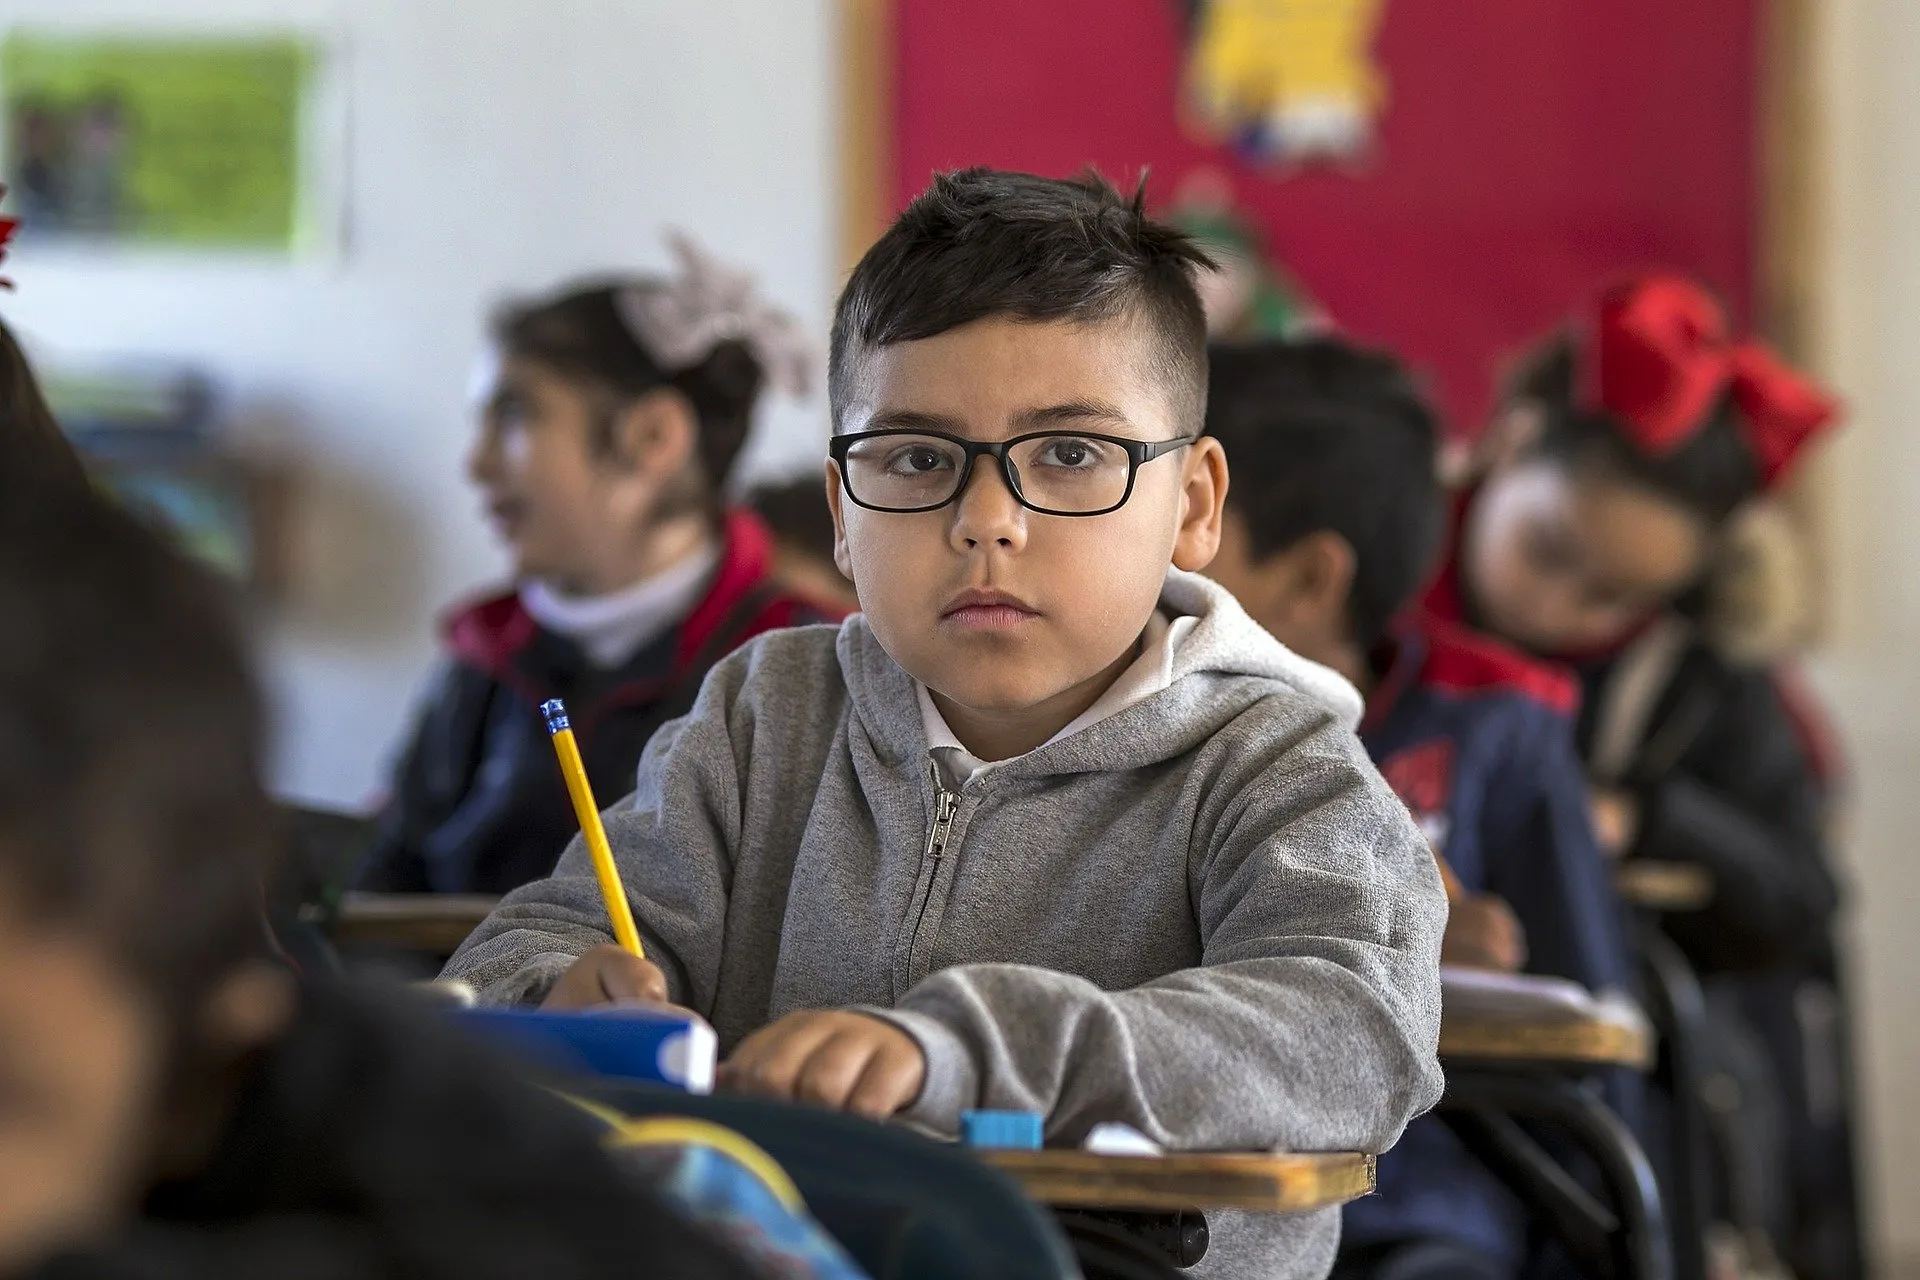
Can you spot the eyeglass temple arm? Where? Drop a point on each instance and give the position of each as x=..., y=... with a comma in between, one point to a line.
x=1154, y=448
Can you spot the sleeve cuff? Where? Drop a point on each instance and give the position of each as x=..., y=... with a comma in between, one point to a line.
x=530, y=983
x=952, y=1083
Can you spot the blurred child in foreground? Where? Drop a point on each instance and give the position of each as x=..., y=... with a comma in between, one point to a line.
x=611, y=416
x=37, y=465
x=1333, y=522
x=172, y=1103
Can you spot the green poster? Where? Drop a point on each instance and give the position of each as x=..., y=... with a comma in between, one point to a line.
x=162, y=140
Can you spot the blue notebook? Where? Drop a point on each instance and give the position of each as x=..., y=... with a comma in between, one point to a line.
x=632, y=1043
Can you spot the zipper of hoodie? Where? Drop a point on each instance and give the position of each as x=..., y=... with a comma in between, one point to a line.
x=945, y=805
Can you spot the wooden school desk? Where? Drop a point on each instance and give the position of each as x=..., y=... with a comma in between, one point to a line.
x=434, y=922
x=1506, y=1067
x=1492, y=1041
x=1270, y=1182
x=1663, y=886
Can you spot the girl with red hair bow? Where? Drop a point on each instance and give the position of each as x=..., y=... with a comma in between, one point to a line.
x=1621, y=472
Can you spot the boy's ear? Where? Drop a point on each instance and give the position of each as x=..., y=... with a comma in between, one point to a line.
x=1203, y=497
x=1324, y=565
x=250, y=1007
x=657, y=434
x=841, y=560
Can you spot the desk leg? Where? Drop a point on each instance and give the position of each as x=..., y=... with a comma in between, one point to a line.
x=1679, y=1013
x=1630, y=1240
x=1135, y=1244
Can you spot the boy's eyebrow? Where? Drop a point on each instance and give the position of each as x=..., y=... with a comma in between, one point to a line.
x=1046, y=418
x=914, y=420
x=1072, y=413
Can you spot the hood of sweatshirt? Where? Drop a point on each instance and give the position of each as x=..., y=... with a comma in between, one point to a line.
x=1226, y=663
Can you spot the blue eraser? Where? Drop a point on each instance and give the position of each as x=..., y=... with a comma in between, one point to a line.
x=554, y=712
x=1001, y=1130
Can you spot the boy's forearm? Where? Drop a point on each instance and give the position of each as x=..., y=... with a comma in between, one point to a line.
x=1299, y=1052
x=520, y=951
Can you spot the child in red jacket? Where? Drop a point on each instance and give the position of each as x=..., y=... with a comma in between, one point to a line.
x=611, y=418
x=1623, y=459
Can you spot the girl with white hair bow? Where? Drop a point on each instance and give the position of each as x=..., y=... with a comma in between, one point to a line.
x=611, y=414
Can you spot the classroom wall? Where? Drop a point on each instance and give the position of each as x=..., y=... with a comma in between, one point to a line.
x=1869, y=334
x=493, y=146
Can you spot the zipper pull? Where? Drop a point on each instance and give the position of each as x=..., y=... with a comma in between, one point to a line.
x=945, y=805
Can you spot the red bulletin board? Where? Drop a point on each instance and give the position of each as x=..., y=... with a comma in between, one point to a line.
x=1528, y=150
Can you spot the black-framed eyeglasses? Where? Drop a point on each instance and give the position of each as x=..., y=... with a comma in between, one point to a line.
x=1056, y=473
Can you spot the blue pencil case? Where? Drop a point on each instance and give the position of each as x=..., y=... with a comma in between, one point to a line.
x=632, y=1043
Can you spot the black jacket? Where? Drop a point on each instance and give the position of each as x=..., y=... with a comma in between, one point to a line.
x=1734, y=774
x=1725, y=780
x=478, y=804
x=375, y=1142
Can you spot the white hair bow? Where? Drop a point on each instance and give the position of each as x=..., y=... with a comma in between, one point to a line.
x=681, y=319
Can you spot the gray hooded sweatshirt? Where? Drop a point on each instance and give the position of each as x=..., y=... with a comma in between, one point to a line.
x=1206, y=916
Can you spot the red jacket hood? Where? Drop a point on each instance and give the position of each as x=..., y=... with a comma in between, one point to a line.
x=1434, y=654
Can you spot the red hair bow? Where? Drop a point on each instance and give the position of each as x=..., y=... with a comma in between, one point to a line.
x=1659, y=356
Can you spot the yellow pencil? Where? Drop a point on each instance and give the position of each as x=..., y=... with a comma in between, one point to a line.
x=575, y=772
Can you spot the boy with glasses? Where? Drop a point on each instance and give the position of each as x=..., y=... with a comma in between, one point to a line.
x=1052, y=826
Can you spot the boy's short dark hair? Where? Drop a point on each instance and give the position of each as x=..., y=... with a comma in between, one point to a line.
x=797, y=512
x=131, y=735
x=1320, y=435
x=985, y=242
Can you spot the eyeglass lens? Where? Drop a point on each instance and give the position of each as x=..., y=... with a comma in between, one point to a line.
x=1066, y=473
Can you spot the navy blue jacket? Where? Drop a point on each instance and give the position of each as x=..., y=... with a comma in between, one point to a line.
x=1477, y=740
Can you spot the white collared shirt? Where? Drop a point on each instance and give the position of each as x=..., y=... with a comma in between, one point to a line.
x=1147, y=675
x=614, y=627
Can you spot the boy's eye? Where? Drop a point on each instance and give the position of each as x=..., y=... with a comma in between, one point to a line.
x=1070, y=454
x=508, y=413
x=1549, y=551
x=918, y=459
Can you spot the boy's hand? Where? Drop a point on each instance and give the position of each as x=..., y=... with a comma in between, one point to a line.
x=605, y=975
x=1616, y=821
x=831, y=1058
x=1483, y=933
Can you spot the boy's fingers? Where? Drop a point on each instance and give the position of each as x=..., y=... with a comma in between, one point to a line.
x=891, y=1080
x=830, y=1072
x=768, y=1061
x=1513, y=938
x=582, y=985
x=604, y=975
x=625, y=976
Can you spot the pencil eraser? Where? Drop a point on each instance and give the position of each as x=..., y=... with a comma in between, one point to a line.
x=1001, y=1130
x=554, y=712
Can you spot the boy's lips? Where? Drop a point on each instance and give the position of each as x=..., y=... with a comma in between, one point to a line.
x=504, y=514
x=987, y=610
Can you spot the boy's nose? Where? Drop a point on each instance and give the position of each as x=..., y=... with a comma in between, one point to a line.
x=987, y=512
x=482, y=462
